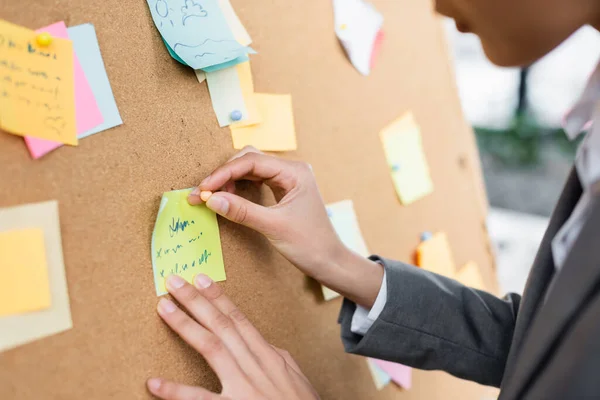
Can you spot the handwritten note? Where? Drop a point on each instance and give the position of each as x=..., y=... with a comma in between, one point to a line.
x=185, y=241
x=435, y=255
x=276, y=132
x=24, y=285
x=36, y=86
x=470, y=275
x=87, y=112
x=196, y=31
x=406, y=159
x=344, y=221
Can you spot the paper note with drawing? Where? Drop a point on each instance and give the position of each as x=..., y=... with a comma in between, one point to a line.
x=435, y=255
x=196, y=31
x=24, y=286
x=20, y=329
x=400, y=374
x=185, y=241
x=344, y=221
x=37, y=95
x=87, y=112
x=276, y=132
x=406, y=159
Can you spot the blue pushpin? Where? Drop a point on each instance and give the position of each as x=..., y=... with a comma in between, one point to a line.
x=235, y=115
x=426, y=236
x=396, y=167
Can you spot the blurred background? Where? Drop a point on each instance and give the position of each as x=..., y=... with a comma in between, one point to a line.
x=516, y=114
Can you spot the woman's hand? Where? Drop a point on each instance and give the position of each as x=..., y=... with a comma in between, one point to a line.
x=247, y=366
x=297, y=225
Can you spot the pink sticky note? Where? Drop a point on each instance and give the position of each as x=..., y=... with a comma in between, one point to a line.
x=87, y=113
x=401, y=374
x=376, y=47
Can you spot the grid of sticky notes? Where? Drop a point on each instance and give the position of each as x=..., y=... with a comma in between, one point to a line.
x=34, y=301
x=406, y=159
x=57, y=93
x=185, y=241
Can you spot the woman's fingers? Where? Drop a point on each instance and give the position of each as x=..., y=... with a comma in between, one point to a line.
x=175, y=391
x=206, y=343
x=242, y=211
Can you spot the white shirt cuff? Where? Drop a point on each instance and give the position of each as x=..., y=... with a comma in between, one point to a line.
x=363, y=319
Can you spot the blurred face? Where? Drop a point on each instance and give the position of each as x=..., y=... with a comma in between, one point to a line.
x=518, y=32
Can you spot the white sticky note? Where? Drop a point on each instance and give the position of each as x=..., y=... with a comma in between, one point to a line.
x=16, y=330
x=200, y=75
x=357, y=24
x=226, y=94
x=344, y=221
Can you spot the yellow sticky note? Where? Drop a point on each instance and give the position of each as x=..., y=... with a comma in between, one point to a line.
x=37, y=96
x=253, y=115
x=276, y=132
x=24, y=286
x=404, y=153
x=185, y=241
x=435, y=255
x=469, y=275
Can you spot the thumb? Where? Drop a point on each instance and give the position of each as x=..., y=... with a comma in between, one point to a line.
x=240, y=211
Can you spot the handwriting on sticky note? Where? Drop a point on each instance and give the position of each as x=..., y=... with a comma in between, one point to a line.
x=196, y=31
x=406, y=159
x=435, y=255
x=24, y=286
x=185, y=241
x=36, y=86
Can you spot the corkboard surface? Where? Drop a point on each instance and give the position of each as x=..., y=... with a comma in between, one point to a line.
x=109, y=190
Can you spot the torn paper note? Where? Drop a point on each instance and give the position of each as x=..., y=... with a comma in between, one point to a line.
x=380, y=378
x=357, y=25
x=226, y=95
x=406, y=159
x=185, y=241
x=435, y=255
x=470, y=275
x=344, y=221
x=87, y=112
x=37, y=90
x=196, y=31
x=24, y=286
x=20, y=329
x=276, y=132
x=400, y=374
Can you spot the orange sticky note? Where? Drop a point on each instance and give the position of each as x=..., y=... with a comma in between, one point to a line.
x=24, y=286
x=37, y=95
x=469, y=275
x=435, y=255
x=276, y=132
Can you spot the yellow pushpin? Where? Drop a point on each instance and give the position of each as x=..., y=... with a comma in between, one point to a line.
x=44, y=39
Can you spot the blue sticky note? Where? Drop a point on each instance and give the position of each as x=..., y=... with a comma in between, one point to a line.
x=239, y=60
x=196, y=31
x=172, y=53
x=87, y=49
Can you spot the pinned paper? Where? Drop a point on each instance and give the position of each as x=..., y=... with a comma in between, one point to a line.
x=380, y=378
x=24, y=285
x=253, y=116
x=276, y=132
x=358, y=26
x=400, y=374
x=36, y=86
x=196, y=31
x=233, y=21
x=470, y=275
x=20, y=329
x=87, y=112
x=185, y=241
x=406, y=159
x=435, y=255
x=344, y=221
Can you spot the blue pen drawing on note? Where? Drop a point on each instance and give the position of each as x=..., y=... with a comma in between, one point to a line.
x=196, y=31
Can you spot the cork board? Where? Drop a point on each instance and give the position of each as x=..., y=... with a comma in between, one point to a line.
x=109, y=190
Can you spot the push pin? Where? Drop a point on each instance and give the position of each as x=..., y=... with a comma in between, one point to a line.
x=396, y=167
x=44, y=39
x=235, y=115
x=426, y=236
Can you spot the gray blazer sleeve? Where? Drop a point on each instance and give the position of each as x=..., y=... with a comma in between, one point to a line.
x=435, y=323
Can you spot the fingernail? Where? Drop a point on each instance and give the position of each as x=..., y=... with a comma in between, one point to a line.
x=205, y=195
x=202, y=281
x=195, y=192
x=218, y=204
x=175, y=281
x=154, y=384
x=166, y=306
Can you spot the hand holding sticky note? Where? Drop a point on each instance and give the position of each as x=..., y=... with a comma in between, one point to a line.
x=185, y=241
x=36, y=86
